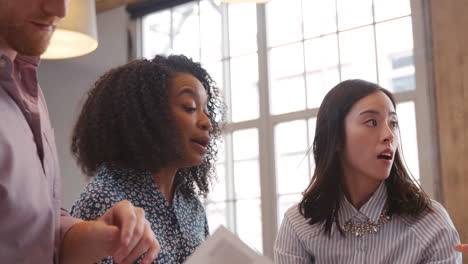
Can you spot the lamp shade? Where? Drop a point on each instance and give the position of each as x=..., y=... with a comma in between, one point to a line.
x=76, y=35
x=245, y=1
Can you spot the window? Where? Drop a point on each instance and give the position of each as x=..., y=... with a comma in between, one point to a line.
x=275, y=63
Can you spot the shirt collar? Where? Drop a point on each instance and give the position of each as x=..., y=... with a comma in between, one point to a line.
x=19, y=79
x=143, y=177
x=27, y=60
x=371, y=209
x=20, y=60
x=6, y=66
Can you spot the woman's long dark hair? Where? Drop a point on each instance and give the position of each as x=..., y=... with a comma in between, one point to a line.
x=321, y=199
x=126, y=122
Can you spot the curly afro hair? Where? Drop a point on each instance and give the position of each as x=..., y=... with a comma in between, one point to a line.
x=126, y=122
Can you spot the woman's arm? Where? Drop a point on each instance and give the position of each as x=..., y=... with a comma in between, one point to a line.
x=440, y=243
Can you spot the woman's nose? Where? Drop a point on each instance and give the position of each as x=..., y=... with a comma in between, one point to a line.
x=388, y=135
x=205, y=122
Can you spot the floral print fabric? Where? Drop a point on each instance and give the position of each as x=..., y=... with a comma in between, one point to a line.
x=180, y=227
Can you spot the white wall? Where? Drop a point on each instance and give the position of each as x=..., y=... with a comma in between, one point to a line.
x=65, y=82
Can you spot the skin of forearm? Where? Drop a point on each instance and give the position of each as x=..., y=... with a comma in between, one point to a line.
x=84, y=243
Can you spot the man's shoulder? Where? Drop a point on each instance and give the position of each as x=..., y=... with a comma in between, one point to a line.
x=8, y=107
x=16, y=137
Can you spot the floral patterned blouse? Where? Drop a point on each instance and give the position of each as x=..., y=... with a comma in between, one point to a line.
x=180, y=227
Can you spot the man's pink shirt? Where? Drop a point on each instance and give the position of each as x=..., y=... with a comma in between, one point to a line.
x=32, y=223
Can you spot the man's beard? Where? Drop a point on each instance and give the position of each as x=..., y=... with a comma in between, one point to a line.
x=24, y=41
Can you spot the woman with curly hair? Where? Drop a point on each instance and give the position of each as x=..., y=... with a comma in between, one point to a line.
x=148, y=131
x=362, y=205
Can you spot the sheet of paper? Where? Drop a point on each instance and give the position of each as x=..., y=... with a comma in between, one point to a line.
x=226, y=248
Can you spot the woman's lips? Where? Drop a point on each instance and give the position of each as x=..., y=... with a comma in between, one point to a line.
x=201, y=148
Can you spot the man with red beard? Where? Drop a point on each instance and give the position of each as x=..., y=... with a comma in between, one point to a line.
x=33, y=228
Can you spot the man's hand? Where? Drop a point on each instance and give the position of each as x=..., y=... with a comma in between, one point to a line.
x=463, y=248
x=122, y=232
x=136, y=236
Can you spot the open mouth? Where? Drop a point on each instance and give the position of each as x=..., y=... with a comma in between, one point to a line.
x=385, y=156
x=202, y=141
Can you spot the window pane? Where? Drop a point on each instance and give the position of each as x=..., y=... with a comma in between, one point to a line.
x=249, y=223
x=354, y=13
x=358, y=54
x=287, y=75
x=246, y=179
x=216, y=214
x=210, y=33
x=218, y=192
x=395, y=54
x=409, y=142
x=246, y=167
x=285, y=202
x=244, y=88
x=245, y=144
x=292, y=173
x=284, y=21
x=215, y=70
x=319, y=17
x=156, y=36
x=185, y=29
x=242, y=28
x=403, y=83
x=292, y=168
x=291, y=137
x=385, y=9
x=321, y=58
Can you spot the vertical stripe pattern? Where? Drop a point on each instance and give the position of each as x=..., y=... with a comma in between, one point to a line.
x=404, y=240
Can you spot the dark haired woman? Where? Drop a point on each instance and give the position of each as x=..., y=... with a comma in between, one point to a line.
x=149, y=132
x=362, y=206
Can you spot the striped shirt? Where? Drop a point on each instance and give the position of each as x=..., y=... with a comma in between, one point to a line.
x=405, y=240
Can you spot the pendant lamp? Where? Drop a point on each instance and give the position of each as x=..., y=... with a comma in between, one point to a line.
x=76, y=35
